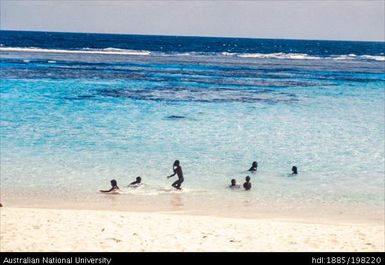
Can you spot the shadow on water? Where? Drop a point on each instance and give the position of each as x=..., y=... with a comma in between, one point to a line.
x=175, y=117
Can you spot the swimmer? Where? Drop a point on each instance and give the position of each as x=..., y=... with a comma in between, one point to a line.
x=294, y=170
x=177, y=171
x=234, y=185
x=253, y=167
x=247, y=184
x=114, y=186
x=137, y=182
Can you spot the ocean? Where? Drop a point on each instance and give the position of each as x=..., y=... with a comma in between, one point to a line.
x=78, y=110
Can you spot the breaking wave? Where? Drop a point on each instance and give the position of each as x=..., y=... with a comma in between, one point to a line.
x=117, y=51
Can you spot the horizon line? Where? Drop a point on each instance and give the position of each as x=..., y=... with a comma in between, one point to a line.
x=191, y=36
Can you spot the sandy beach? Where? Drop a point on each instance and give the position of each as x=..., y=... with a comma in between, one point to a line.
x=31, y=229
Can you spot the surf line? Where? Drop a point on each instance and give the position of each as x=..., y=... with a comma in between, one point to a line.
x=56, y=260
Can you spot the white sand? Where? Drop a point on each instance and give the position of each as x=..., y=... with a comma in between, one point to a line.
x=27, y=229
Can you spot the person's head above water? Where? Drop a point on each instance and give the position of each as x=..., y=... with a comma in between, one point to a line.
x=114, y=186
x=114, y=183
x=254, y=166
x=294, y=170
x=247, y=184
x=233, y=182
x=138, y=179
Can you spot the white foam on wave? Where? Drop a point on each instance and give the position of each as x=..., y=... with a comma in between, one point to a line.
x=359, y=57
x=228, y=53
x=113, y=51
x=345, y=57
x=279, y=55
x=372, y=57
x=304, y=56
x=183, y=54
x=125, y=51
x=147, y=190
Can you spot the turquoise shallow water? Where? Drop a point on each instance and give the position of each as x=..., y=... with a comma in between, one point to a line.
x=70, y=122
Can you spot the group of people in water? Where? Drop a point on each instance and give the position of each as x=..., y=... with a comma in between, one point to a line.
x=177, y=170
x=253, y=168
x=246, y=185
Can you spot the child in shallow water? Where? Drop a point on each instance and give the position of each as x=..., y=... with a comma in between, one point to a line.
x=136, y=183
x=247, y=184
x=114, y=186
x=234, y=185
x=177, y=171
x=253, y=167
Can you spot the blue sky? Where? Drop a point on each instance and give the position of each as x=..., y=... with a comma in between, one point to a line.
x=302, y=19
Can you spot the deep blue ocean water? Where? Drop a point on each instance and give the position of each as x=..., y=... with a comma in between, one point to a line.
x=80, y=109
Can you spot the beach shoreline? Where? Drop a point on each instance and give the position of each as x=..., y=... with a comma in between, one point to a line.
x=185, y=204
x=100, y=230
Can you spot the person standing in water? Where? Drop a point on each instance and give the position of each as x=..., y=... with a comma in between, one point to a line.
x=254, y=167
x=177, y=171
x=247, y=184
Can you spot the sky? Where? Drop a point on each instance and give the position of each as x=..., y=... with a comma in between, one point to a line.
x=286, y=19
